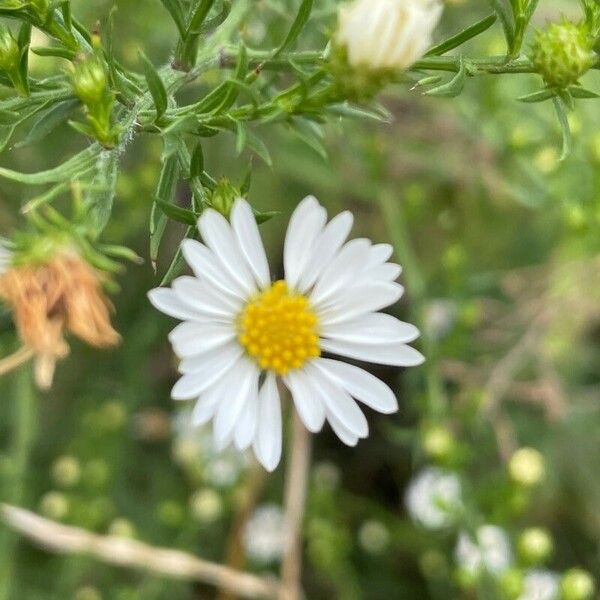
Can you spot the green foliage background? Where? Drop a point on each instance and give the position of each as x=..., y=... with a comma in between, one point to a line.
x=484, y=217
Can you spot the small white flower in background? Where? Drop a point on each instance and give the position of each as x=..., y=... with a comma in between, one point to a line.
x=241, y=331
x=490, y=551
x=387, y=34
x=540, y=585
x=264, y=535
x=433, y=498
x=5, y=256
x=440, y=318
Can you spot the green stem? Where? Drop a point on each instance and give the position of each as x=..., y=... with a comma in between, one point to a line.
x=398, y=231
x=23, y=428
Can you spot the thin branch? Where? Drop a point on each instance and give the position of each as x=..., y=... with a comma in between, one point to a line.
x=15, y=360
x=295, y=500
x=133, y=554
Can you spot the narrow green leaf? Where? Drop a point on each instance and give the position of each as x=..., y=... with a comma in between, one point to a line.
x=582, y=93
x=539, y=96
x=565, y=128
x=259, y=148
x=99, y=197
x=48, y=121
x=241, y=137
x=454, y=87
x=155, y=85
x=65, y=8
x=166, y=191
x=263, y=217
x=462, y=37
x=24, y=41
x=178, y=213
x=198, y=16
x=51, y=51
x=197, y=161
x=297, y=26
x=68, y=170
x=505, y=15
x=175, y=9
x=8, y=117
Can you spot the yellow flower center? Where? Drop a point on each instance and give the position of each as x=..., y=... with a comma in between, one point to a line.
x=278, y=329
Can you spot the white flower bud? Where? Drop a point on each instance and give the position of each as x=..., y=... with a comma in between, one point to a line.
x=387, y=34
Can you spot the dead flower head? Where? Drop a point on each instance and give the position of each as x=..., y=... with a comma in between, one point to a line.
x=50, y=299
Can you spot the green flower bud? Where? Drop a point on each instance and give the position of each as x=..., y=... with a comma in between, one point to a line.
x=577, y=584
x=88, y=593
x=562, y=53
x=511, y=583
x=89, y=81
x=526, y=467
x=438, y=442
x=66, y=471
x=206, y=506
x=10, y=55
x=54, y=505
x=122, y=528
x=224, y=196
x=535, y=545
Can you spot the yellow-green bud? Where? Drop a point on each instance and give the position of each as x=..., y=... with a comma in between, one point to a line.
x=66, y=471
x=535, y=545
x=526, y=467
x=88, y=593
x=206, y=506
x=122, y=528
x=224, y=196
x=577, y=584
x=54, y=505
x=10, y=54
x=511, y=583
x=89, y=81
x=562, y=53
x=438, y=442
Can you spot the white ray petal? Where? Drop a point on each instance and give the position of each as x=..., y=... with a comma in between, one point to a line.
x=325, y=249
x=200, y=373
x=306, y=400
x=360, y=300
x=204, y=298
x=250, y=242
x=393, y=354
x=267, y=442
x=207, y=267
x=346, y=436
x=241, y=386
x=341, y=271
x=218, y=236
x=306, y=223
x=245, y=428
x=371, y=328
x=380, y=253
x=191, y=338
x=166, y=301
x=338, y=402
x=360, y=384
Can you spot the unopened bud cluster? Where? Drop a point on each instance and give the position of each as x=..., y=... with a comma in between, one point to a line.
x=562, y=53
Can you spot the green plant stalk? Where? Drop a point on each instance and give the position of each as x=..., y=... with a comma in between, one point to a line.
x=398, y=231
x=24, y=431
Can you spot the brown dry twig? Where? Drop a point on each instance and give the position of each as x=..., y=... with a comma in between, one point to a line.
x=124, y=552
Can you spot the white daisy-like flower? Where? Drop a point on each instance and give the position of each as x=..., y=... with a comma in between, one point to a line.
x=264, y=535
x=241, y=332
x=490, y=551
x=387, y=34
x=540, y=584
x=433, y=498
x=5, y=256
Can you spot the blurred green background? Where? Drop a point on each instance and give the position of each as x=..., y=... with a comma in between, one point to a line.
x=501, y=248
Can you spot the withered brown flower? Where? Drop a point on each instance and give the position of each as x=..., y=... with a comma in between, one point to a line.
x=50, y=299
